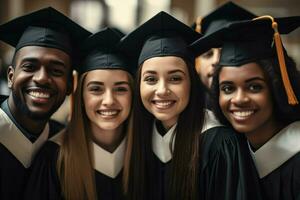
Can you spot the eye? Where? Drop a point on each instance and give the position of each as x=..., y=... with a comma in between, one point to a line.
x=150, y=80
x=121, y=89
x=28, y=67
x=255, y=87
x=57, y=72
x=208, y=54
x=175, y=78
x=227, y=89
x=95, y=89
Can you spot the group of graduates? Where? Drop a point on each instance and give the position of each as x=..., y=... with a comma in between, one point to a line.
x=144, y=124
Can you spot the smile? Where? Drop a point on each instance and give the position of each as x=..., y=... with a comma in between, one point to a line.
x=108, y=113
x=242, y=114
x=36, y=94
x=163, y=104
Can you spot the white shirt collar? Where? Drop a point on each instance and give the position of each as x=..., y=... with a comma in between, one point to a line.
x=280, y=148
x=108, y=163
x=161, y=144
x=15, y=141
x=210, y=121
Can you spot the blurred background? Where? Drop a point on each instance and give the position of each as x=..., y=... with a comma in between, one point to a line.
x=128, y=14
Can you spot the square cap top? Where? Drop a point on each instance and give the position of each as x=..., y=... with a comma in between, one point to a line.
x=162, y=35
x=46, y=27
x=100, y=51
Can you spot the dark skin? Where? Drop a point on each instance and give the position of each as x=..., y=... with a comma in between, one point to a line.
x=39, y=85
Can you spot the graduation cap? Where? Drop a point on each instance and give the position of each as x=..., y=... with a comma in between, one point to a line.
x=162, y=35
x=250, y=40
x=215, y=20
x=100, y=51
x=47, y=28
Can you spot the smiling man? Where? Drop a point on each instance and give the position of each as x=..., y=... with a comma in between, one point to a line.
x=39, y=78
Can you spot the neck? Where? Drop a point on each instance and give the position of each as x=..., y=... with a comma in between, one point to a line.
x=33, y=126
x=108, y=139
x=262, y=135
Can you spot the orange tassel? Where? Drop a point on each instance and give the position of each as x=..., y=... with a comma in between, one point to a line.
x=292, y=99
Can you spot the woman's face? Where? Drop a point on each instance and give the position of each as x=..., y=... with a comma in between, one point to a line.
x=165, y=88
x=245, y=98
x=107, y=98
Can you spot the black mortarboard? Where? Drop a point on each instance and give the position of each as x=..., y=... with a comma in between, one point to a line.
x=162, y=35
x=250, y=40
x=100, y=51
x=227, y=13
x=46, y=27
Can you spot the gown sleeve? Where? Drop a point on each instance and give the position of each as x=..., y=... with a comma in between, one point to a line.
x=226, y=170
x=43, y=182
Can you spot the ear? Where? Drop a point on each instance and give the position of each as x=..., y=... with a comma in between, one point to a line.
x=10, y=76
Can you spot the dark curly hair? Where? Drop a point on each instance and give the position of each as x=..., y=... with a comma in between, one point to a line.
x=283, y=111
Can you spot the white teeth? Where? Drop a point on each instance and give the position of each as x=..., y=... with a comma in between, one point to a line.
x=108, y=113
x=243, y=113
x=163, y=104
x=39, y=94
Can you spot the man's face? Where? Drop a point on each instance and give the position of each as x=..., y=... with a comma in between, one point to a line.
x=39, y=81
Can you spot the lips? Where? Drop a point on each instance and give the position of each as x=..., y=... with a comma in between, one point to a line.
x=39, y=95
x=163, y=104
x=242, y=115
x=111, y=113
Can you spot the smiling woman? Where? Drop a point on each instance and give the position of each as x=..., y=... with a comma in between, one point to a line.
x=85, y=161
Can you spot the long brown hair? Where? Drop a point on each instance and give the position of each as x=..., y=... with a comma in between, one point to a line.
x=74, y=164
x=184, y=167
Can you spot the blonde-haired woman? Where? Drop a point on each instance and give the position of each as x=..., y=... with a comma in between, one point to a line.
x=85, y=161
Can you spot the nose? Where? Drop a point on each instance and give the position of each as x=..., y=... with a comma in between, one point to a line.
x=162, y=89
x=240, y=97
x=41, y=76
x=108, y=98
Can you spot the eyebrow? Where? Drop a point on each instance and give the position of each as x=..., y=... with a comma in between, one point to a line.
x=247, y=81
x=169, y=72
x=102, y=83
x=35, y=60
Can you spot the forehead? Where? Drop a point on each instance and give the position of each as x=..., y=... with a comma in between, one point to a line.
x=243, y=72
x=107, y=76
x=164, y=64
x=42, y=53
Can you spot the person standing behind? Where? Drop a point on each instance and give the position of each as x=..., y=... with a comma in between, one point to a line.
x=206, y=62
x=39, y=77
x=85, y=160
x=256, y=89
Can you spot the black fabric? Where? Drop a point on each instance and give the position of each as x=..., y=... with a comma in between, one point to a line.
x=245, y=41
x=46, y=27
x=223, y=15
x=101, y=51
x=44, y=183
x=162, y=35
x=226, y=170
x=284, y=182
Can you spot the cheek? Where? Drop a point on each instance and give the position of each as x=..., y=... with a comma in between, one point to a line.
x=126, y=103
x=223, y=102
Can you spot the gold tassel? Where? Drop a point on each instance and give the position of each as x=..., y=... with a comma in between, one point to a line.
x=292, y=99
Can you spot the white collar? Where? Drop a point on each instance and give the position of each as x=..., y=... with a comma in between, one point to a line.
x=15, y=141
x=210, y=121
x=280, y=148
x=108, y=163
x=161, y=145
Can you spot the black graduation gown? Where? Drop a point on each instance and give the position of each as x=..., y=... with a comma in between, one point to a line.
x=284, y=182
x=227, y=171
x=44, y=182
x=278, y=164
x=13, y=174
